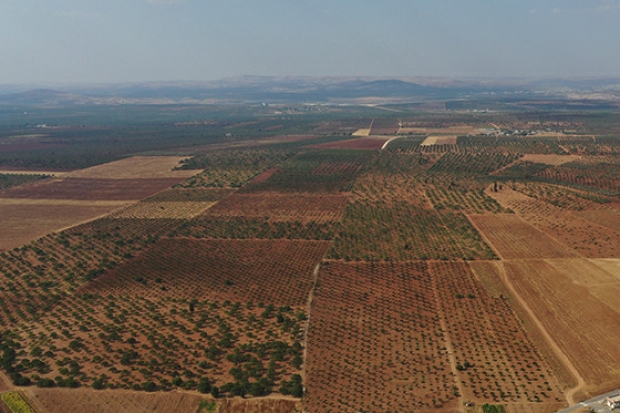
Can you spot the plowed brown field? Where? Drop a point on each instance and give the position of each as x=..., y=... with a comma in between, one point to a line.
x=568, y=300
x=23, y=221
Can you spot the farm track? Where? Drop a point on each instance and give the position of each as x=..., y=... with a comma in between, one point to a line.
x=304, y=342
x=448, y=341
x=569, y=393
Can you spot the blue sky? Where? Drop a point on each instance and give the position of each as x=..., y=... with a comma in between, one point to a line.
x=152, y=40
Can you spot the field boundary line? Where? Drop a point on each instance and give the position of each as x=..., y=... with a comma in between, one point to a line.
x=484, y=237
x=447, y=340
x=315, y=279
x=570, y=392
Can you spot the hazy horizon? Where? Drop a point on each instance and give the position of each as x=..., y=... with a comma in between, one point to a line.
x=128, y=41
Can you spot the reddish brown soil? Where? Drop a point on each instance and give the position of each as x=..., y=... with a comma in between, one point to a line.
x=278, y=272
x=592, y=233
x=375, y=341
x=91, y=189
x=265, y=175
x=374, y=143
x=485, y=332
x=281, y=207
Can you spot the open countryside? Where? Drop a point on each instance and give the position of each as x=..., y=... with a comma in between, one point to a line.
x=419, y=262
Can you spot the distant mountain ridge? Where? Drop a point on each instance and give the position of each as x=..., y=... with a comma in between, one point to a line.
x=265, y=89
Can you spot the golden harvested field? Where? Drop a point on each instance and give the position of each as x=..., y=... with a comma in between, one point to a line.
x=611, y=265
x=609, y=218
x=549, y=159
x=156, y=210
x=137, y=167
x=511, y=237
x=575, y=313
x=439, y=140
x=361, y=132
x=452, y=130
x=23, y=221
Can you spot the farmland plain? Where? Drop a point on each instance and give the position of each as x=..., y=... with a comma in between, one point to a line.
x=264, y=263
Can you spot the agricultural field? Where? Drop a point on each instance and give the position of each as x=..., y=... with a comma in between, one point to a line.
x=9, y=180
x=77, y=400
x=439, y=140
x=24, y=220
x=576, y=311
x=375, y=341
x=363, y=143
x=261, y=258
x=37, y=207
x=279, y=272
x=138, y=167
x=281, y=207
x=513, y=238
x=493, y=354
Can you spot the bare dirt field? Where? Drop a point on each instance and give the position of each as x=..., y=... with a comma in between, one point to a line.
x=609, y=218
x=24, y=222
x=549, y=159
x=370, y=143
x=568, y=299
x=137, y=167
x=91, y=189
x=361, y=132
x=439, y=140
x=511, y=237
x=282, y=207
